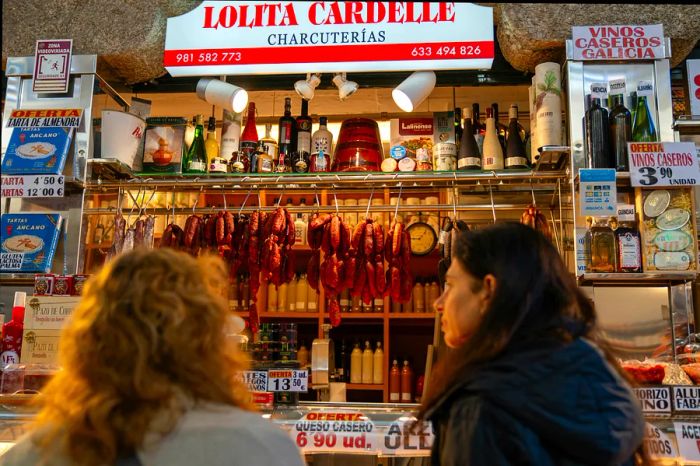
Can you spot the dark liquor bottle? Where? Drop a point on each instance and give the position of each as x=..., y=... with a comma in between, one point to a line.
x=342, y=363
x=620, y=132
x=469, y=157
x=515, y=149
x=643, y=129
x=300, y=160
x=247, y=152
x=287, y=140
x=500, y=127
x=629, y=247
x=597, y=136
x=196, y=159
x=458, y=127
x=479, y=128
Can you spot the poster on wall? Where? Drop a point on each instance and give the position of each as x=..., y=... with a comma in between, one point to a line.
x=254, y=37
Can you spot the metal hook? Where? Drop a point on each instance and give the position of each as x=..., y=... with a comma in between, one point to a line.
x=318, y=203
x=369, y=203
x=455, y=195
x=244, y=202
x=225, y=206
x=335, y=198
x=532, y=190
x=398, y=201
x=196, y=201
x=493, y=207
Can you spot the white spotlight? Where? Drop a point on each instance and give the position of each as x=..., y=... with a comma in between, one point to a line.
x=414, y=90
x=306, y=87
x=223, y=94
x=345, y=88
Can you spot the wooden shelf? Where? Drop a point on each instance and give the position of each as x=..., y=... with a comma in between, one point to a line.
x=412, y=315
x=360, y=315
x=364, y=386
x=289, y=315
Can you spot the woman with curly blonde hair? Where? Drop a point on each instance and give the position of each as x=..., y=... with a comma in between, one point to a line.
x=149, y=377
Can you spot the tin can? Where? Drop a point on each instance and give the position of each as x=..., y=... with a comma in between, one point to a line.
x=43, y=284
x=78, y=284
x=445, y=154
x=63, y=285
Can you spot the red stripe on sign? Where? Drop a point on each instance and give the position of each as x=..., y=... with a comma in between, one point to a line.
x=330, y=53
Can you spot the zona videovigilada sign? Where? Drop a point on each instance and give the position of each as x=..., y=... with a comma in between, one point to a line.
x=233, y=38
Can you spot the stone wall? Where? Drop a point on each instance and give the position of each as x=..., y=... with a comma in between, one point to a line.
x=129, y=35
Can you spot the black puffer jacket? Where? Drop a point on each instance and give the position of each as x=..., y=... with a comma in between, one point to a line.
x=541, y=406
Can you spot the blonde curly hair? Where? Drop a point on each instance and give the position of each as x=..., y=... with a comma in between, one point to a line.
x=144, y=343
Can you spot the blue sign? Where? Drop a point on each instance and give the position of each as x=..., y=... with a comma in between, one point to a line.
x=598, y=192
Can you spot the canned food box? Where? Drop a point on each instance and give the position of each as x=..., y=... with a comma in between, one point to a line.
x=78, y=284
x=43, y=284
x=63, y=285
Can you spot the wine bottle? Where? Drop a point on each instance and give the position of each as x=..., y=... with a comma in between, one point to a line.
x=620, y=132
x=321, y=146
x=492, y=153
x=287, y=140
x=300, y=162
x=458, y=127
x=196, y=160
x=597, y=136
x=515, y=149
x=479, y=128
x=230, y=134
x=468, y=157
x=643, y=129
x=500, y=127
x=247, y=153
x=267, y=152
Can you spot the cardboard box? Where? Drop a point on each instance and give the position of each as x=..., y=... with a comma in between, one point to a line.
x=44, y=319
x=164, y=145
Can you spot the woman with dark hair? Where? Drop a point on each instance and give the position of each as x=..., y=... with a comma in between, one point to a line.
x=526, y=381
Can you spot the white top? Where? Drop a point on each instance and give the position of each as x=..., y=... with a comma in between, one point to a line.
x=211, y=434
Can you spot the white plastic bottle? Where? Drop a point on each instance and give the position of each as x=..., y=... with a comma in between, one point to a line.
x=378, y=365
x=367, y=364
x=356, y=365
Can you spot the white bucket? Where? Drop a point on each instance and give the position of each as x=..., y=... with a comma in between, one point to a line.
x=122, y=137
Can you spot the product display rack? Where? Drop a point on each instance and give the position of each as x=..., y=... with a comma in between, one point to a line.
x=482, y=195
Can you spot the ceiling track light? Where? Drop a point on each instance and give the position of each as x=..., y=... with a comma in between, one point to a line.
x=223, y=94
x=345, y=88
x=414, y=90
x=306, y=87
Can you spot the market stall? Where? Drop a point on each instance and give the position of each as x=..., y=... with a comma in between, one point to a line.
x=337, y=224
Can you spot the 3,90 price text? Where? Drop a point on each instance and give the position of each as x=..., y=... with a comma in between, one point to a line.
x=650, y=175
x=446, y=51
x=209, y=57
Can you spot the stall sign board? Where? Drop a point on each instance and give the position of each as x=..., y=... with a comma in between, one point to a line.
x=686, y=398
x=663, y=164
x=41, y=118
x=52, y=66
x=33, y=185
x=688, y=438
x=334, y=431
x=44, y=318
x=399, y=438
x=598, y=191
x=658, y=443
x=256, y=380
x=254, y=37
x=287, y=380
x=656, y=400
x=620, y=42
x=694, y=86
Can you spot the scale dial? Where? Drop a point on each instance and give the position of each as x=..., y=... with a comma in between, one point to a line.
x=423, y=238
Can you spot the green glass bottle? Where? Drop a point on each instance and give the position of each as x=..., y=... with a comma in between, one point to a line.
x=643, y=129
x=196, y=158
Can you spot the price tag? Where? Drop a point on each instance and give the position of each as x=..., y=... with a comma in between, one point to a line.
x=688, y=438
x=399, y=438
x=658, y=443
x=618, y=87
x=598, y=192
x=33, y=186
x=256, y=380
x=287, y=381
x=600, y=91
x=654, y=400
x=663, y=164
x=686, y=398
x=334, y=431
